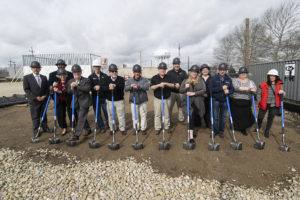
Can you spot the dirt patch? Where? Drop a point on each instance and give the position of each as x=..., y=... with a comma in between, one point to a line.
x=248, y=167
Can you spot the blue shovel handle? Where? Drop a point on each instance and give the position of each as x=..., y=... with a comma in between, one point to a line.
x=48, y=100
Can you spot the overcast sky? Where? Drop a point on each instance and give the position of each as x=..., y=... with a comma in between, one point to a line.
x=120, y=29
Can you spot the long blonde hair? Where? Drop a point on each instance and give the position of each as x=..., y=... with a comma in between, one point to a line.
x=191, y=80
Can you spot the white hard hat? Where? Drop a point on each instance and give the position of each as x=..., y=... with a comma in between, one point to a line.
x=96, y=62
x=273, y=72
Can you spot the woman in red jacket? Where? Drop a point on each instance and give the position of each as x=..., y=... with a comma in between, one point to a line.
x=270, y=97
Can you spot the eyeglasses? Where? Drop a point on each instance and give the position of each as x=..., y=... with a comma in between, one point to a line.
x=113, y=71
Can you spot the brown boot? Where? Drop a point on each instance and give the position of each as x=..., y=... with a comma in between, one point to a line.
x=157, y=132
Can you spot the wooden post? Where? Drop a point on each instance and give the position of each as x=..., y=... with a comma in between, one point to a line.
x=246, y=57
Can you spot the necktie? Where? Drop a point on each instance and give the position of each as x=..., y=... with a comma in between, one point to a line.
x=39, y=81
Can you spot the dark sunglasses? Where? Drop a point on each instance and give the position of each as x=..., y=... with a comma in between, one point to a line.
x=114, y=71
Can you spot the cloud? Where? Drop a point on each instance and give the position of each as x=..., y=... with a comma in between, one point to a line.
x=120, y=29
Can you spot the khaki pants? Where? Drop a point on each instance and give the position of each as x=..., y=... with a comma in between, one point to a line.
x=157, y=113
x=119, y=108
x=178, y=98
x=141, y=114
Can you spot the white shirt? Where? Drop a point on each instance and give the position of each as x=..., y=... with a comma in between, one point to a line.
x=38, y=79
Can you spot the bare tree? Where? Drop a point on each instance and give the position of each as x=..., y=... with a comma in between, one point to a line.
x=224, y=52
x=259, y=43
x=280, y=22
x=232, y=46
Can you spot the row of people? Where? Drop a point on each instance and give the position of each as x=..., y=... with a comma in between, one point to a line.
x=173, y=85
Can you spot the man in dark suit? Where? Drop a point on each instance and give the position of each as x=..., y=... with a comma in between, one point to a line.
x=80, y=87
x=37, y=91
x=53, y=79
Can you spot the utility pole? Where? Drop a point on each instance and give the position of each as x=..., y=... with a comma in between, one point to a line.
x=179, y=50
x=31, y=51
x=140, y=58
x=14, y=67
x=247, y=44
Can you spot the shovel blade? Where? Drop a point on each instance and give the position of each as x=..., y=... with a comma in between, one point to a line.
x=137, y=146
x=236, y=145
x=164, y=145
x=71, y=143
x=114, y=146
x=284, y=148
x=94, y=144
x=34, y=140
x=259, y=145
x=188, y=145
x=213, y=147
x=54, y=140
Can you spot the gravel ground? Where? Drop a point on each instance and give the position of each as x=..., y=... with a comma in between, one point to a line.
x=25, y=175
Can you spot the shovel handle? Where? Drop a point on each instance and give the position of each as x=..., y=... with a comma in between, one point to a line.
x=230, y=117
x=55, y=96
x=45, y=110
x=97, y=106
x=112, y=107
x=282, y=119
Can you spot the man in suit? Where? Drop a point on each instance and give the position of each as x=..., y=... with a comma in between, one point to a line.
x=80, y=87
x=53, y=79
x=36, y=88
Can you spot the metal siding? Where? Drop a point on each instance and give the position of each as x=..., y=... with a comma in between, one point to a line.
x=292, y=88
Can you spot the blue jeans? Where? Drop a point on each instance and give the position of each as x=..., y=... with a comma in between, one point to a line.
x=102, y=103
x=220, y=110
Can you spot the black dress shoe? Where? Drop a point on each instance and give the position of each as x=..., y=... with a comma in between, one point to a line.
x=244, y=132
x=37, y=135
x=144, y=132
x=47, y=130
x=192, y=141
x=266, y=133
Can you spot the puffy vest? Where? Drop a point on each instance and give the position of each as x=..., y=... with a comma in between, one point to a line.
x=265, y=92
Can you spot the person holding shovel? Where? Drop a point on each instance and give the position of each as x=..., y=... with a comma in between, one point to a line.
x=221, y=86
x=98, y=84
x=269, y=96
x=80, y=87
x=63, y=100
x=138, y=87
x=194, y=87
x=241, y=101
x=36, y=88
x=115, y=88
x=161, y=84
